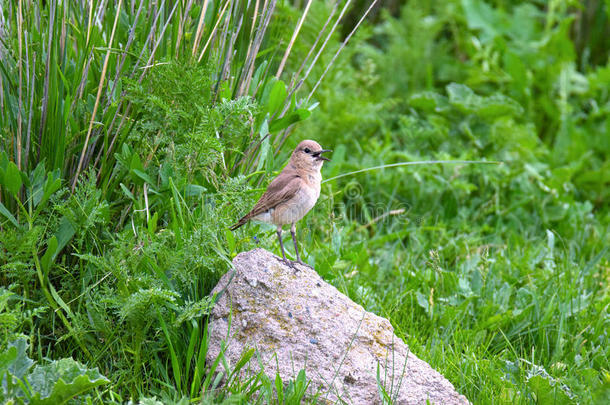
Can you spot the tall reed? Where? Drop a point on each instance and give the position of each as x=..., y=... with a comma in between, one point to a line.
x=63, y=66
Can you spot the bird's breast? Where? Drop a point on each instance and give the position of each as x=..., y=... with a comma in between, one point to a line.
x=294, y=209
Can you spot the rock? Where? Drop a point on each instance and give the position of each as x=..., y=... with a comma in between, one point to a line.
x=307, y=323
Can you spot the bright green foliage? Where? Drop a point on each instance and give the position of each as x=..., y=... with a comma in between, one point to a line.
x=495, y=274
x=111, y=202
x=69, y=74
x=185, y=134
x=55, y=383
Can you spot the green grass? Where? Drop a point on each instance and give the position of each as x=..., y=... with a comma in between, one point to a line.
x=495, y=274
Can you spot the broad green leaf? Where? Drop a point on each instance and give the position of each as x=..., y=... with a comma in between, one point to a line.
x=277, y=96
x=64, y=234
x=429, y=101
x=7, y=358
x=546, y=393
x=194, y=190
x=230, y=240
x=422, y=301
x=128, y=193
x=144, y=176
x=7, y=214
x=152, y=223
x=289, y=119
x=135, y=162
x=14, y=365
x=496, y=105
x=165, y=173
x=18, y=363
x=49, y=254
x=25, y=180
x=463, y=97
x=257, y=76
x=12, y=178
x=52, y=184
x=476, y=282
x=265, y=145
x=3, y=162
x=481, y=16
x=264, y=96
x=60, y=300
x=61, y=380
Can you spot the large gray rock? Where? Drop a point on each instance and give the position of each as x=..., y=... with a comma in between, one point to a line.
x=307, y=323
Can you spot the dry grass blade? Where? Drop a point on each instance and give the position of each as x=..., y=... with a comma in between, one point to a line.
x=125, y=52
x=181, y=26
x=31, y=86
x=62, y=36
x=148, y=65
x=28, y=137
x=89, y=22
x=284, y=135
x=287, y=132
x=294, y=37
x=200, y=27
x=212, y=34
x=340, y=49
x=97, y=98
x=83, y=80
x=161, y=38
x=254, y=18
x=248, y=68
x=2, y=39
x=45, y=96
x=228, y=58
x=311, y=50
x=125, y=113
x=224, y=34
x=20, y=68
x=119, y=70
x=416, y=163
x=149, y=38
x=101, y=11
x=332, y=30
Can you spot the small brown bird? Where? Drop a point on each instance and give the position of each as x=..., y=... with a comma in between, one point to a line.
x=291, y=194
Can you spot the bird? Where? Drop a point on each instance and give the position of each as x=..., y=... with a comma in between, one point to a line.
x=291, y=195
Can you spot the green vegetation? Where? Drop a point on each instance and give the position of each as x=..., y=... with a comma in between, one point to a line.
x=134, y=133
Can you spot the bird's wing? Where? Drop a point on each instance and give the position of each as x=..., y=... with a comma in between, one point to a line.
x=281, y=189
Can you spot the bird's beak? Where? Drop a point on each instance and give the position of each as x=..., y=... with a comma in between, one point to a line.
x=319, y=156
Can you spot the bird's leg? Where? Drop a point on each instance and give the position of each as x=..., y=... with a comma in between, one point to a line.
x=279, y=236
x=293, y=232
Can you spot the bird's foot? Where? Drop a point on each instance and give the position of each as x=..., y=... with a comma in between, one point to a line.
x=293, y=264
x=302, y=263
x=288, y=263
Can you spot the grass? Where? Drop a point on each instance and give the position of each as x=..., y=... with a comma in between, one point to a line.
x=492, y=273
x=131, y=141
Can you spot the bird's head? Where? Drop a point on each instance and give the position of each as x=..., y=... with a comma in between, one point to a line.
x=308, y=155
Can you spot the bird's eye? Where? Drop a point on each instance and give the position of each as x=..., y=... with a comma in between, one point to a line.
x=306, y=150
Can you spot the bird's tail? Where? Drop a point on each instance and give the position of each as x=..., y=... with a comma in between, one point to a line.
x=239, y=223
